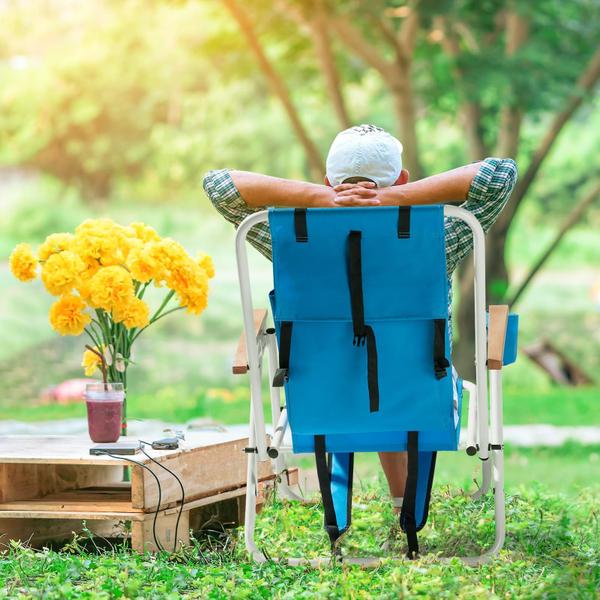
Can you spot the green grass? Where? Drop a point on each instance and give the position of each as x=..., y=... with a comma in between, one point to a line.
x=228, y=403
x=552, y=551
x=565, y=469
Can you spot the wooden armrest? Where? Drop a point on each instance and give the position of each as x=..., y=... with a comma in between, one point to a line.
x=497, y=323
x=240, y=360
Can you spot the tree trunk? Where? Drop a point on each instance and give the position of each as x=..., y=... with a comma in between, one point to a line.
x=510, y=131
x=405, y=113
x=279, y=88
x=322, y=42
x=471, y=121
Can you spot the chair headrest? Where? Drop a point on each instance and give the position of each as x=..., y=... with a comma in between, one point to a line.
x=403, y=276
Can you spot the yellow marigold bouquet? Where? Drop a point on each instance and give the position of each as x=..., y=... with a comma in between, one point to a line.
x=100, y=274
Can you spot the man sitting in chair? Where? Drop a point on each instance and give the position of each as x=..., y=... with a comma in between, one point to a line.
x=364, y=168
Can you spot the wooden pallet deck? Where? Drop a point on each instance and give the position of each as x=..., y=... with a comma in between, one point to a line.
x=50, y=486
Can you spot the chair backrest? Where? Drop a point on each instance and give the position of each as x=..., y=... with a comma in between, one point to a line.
x=353, y=287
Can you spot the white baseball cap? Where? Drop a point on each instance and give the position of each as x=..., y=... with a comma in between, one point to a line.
x=364, y=151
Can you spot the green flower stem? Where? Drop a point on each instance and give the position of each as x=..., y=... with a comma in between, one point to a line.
x=172, y=310
x=97, y=333
x=143, y=291
x=93, y=338
x=117, y=336
x=154, y=319
x=162, y=306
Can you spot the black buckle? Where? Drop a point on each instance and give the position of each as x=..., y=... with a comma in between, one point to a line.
x=249, y=450
x=280, y=377
x=359, y=340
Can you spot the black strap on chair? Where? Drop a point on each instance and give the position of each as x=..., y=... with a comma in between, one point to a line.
x=324, y=475
x=440, y=362
x=300, y=228
x=404, y=222
x=408, y=520
x=285, y=343
x=362, y=332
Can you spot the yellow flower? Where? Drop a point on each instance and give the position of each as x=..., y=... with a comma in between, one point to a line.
x=101, y=242
x=67, y=316
x=133, y=313
x=90, y=362
x=23, y=263
x=110, y=287
x=195, y=299
x=61, y=272
x=143, y=264
x=206, y=262
x=83, y=285
x=144, y=232
x=55, y=243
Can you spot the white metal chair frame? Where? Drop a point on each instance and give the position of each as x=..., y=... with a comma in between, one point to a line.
x=484, y=430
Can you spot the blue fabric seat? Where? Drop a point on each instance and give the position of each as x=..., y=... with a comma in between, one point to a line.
x=380, y=272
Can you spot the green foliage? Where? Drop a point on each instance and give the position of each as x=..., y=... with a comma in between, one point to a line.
x=144, y=97
x=552, y=552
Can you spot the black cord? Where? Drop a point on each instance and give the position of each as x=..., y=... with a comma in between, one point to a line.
x=180, y=485
x=135, y=462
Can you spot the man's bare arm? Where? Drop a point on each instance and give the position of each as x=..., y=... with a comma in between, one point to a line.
x=448, y=187
x=262, y=190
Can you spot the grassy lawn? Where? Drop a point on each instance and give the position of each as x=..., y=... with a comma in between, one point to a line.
x=552, y=551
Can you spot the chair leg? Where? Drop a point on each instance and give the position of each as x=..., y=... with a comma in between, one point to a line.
x=472, y=441
x=499, y=514
x=486, y=479
x=496, y=461
x=251, y=494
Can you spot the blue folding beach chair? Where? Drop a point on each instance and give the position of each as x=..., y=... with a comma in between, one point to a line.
x=361, y=347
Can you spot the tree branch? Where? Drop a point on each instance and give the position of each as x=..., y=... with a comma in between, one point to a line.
x=278, y=86
x=572, y=219
x=314, y=25
x=357, y=42
x=409, y=30
x=584, y=85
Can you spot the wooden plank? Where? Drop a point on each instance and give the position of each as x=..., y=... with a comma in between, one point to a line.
x=498, y=319
x=206, y=501
x=240, y=359
x=85, y=500
x=142, y=537
x=291, y=476
x=62, y=449
x=24, y=481
x=72, y=516
x=224, y=495
x=204, y=471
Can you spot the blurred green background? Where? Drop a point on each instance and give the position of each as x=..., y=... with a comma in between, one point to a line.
x=119, y=107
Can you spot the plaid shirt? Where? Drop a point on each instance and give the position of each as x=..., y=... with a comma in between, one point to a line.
x=489, y=192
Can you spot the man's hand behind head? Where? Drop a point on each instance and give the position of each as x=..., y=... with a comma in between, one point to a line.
x=363, y=193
